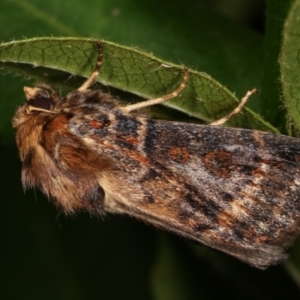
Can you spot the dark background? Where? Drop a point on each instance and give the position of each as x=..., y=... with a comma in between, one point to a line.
x=46, y=255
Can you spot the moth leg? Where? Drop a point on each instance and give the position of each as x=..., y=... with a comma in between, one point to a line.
x=236, y=110
x=95, y=74
x=164, y=98
x=33, y=108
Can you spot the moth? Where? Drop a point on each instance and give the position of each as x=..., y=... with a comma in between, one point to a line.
x=235, y=190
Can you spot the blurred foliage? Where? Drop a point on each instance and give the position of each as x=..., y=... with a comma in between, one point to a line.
x=45, y=255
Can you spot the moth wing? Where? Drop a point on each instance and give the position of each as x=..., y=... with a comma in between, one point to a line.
x=235, y=190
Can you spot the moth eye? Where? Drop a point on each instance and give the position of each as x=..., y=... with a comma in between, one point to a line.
x=38, y=98
x=41, y=101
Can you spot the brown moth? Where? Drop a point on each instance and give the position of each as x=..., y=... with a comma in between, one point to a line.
x=235, y=190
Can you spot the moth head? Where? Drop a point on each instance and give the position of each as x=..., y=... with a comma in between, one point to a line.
x=38, y=98
x=37, y=101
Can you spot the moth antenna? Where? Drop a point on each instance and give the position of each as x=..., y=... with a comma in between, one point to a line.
x=164, y=98
x=95, y=74
x=236, y=110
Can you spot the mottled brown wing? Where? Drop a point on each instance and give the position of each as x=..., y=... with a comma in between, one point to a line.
x=235, y=190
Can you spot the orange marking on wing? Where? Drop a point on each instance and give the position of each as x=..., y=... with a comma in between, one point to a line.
x=130, y=139
x=142, y=159
x=179, y=154
x=98, y=124
x=135, y=155
x=219, y=163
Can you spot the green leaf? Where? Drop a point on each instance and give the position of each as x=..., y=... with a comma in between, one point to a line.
x=175, y=31
x=290, y=63
x=271, y=94
x=188, y=33
x=130, y=70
